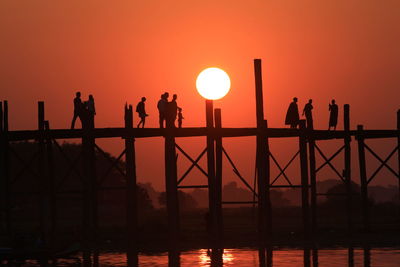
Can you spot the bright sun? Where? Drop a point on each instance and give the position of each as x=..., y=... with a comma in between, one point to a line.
x=213, y=83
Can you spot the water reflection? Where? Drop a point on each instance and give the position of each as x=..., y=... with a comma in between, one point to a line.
x=248, y=257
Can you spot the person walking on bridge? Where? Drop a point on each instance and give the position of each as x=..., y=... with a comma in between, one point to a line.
x=140, y=109
x=78, y=108
x=162, y=108
x=292, y=115
x=307, y=111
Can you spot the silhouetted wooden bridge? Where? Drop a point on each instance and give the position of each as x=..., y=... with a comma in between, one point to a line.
x=46, y=139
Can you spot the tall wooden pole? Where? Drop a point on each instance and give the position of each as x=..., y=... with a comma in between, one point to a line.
x=363, y=178
x=313, y=191
x=43, y=201
x=131, y=192
x=171, y=189
x=304, y=179
x=398, y=152
x=90, y=196
x=347, y=170
x=5, y=169
x=218, y=175
x=1, y=118
x=313, y=181
x=50, y=180
x=304, y=190
x=262, y=163
x=3, y=188
x=212, y=201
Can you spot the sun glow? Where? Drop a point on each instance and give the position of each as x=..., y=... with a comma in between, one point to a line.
x=213, y=83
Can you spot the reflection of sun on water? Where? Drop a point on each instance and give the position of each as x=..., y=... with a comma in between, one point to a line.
x=205, y=258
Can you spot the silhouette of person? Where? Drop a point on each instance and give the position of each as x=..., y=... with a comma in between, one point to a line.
x=180, y=117
x=307, y=111
x=162, y=108
x=172, y=110
x=140, y=109
x=292, y=115
x=91, y=111
x=333, y=116
x=78, y=108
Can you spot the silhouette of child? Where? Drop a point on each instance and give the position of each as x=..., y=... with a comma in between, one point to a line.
x=180, y=117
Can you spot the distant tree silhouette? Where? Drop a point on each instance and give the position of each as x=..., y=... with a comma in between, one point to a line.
x=334, y=200
x=277, y=199
x=186, y=201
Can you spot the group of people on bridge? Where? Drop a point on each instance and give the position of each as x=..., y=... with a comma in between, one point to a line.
x=293, y=118
x=168, y=111
x=85, y=111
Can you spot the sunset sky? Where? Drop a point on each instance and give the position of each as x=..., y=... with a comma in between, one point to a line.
x=122, y=50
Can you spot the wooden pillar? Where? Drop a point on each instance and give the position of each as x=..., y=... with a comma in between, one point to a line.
x=50, y=180
x=89, y=196
x=4, y=169
x=43, y=201
x=347, y=170
x=171, y=189
x=304, y=190
x=313, y=181
x=363, y=178
x=131, y=191
x=1, y=117
x=398, y=153
x=212, y=201
x=304, y=179
x=218, y=175
x=262, y=162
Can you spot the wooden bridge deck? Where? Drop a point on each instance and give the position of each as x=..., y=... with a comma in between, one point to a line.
x=192, y=132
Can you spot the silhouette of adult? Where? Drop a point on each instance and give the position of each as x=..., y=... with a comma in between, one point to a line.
x=333, y=116
x=90, y=111
x=307, y=111
x=162, y=108
x=140, y=109
x=78, y=109
x=292, y=115
x=172, y=110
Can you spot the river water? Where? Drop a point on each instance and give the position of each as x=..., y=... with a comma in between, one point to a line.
x=248, y=257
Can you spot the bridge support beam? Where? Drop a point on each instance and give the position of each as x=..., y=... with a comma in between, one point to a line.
x=131, y=193
x=363, y=178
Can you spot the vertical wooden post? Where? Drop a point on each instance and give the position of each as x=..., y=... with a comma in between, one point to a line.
x=304, y=178
x=131, y=190
x=90, y=196
x=313, y=191
x=313, y=181
x=398, y=153
x=363, y=177
x=51, y=197
x=218, y=175
x=262, y=162
x=171, y=189
x=5, y=114
x=211, y=174
x=43, y=204
x=4, y=169
x=304, y=190
x=3, y=188
x=347, y=170
x=94, y=197
x=1, y=118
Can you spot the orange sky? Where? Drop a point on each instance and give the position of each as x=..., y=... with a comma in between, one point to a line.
x=122, y=50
